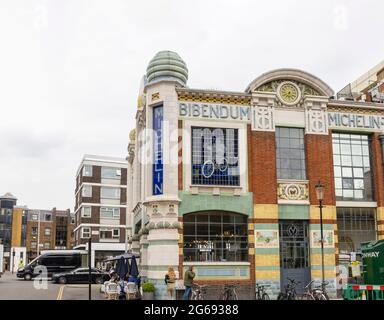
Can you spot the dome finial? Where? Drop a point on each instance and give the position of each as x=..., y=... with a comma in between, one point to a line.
x=167, y=65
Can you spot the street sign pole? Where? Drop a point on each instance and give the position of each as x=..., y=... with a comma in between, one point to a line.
x=89, y=269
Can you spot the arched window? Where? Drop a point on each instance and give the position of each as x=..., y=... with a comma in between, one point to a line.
x=215, y=236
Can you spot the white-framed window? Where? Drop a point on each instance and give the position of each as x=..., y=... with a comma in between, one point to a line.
x=86, y=212
x=106, y=233
x=116, y=233
x=86, y=191
x=47, y=245
x=110, y=173
x=34, y=231
x=85, y=232
x=110, y=192
x=87, y=170
x=35, y=216
x=109, y=213
x=33, y=244
x=47, y=231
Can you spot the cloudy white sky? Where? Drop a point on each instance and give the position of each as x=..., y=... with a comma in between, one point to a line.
x=70, y=70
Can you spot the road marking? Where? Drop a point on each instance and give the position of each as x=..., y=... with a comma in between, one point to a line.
x=60, y=294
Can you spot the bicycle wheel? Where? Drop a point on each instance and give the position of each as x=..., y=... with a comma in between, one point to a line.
x=321, y=296
x=265, y=297
x=307, y=296
x=281, y=296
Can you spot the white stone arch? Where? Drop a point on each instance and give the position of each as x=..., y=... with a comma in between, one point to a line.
x=291, y=74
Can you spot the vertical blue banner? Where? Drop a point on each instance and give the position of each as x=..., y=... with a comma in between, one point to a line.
x=157, y=150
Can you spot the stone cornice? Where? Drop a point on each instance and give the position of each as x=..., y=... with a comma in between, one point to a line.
x=355, y=105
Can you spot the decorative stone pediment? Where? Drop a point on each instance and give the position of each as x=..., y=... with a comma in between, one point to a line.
x=308, y=83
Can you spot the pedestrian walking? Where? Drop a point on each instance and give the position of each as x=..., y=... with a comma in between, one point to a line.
x=189, y=275
x=170, y=279
x=21, y=264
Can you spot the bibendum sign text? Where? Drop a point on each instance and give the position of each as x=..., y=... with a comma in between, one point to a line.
x=262, y=119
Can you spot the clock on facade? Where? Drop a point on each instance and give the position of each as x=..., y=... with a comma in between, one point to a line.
x=289, y=93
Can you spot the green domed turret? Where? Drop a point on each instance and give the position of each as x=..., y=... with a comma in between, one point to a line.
x=167, y=65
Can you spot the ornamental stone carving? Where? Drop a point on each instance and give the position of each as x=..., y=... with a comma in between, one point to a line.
x=292, y=191
x=316, y=118
x=262, y=118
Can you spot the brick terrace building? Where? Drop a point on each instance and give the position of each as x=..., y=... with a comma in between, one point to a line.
x=240, y=204
x=100, y=210
x=49, y=230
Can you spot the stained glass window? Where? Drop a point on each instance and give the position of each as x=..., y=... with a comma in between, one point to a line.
x=215, y=156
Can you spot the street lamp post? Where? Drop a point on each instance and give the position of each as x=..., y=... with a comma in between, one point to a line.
x=89, y=268
x=320, y=196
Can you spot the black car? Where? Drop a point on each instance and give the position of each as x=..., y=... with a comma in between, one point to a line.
x=81, y=275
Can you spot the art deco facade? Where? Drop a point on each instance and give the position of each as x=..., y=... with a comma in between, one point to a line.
x=230, y=185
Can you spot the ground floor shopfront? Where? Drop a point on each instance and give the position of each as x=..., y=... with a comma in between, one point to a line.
x=232, y=240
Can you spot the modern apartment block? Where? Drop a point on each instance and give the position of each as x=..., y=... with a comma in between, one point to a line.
x=100, y=209
x=49, y=230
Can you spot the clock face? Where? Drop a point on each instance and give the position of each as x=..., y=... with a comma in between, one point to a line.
x=289, y=93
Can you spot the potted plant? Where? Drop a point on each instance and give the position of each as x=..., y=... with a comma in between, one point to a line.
x=148, y=291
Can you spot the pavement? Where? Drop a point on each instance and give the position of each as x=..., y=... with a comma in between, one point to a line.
x=13, y=288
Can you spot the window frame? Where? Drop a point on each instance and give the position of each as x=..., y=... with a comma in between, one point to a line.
x=290, y=155
x=197, y=150
x=113, y=216
x=117, y=173
x=109, y=197
x=83, y=232
x=209, y=235
x=86, y=173
x=90, y=212
x=350, y=165
x=84, y=187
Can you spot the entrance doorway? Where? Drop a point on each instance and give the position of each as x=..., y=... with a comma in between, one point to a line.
x=294, y=253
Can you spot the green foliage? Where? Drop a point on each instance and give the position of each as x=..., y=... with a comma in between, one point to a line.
x=148, y=287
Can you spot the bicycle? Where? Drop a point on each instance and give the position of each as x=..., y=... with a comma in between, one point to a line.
x=290, y=291
x=198, y=292
x=229, y=292
x=321, y=291
x=310, y=293
x=260, y=292
x=317, y=293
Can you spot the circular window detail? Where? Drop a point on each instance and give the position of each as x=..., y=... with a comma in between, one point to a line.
x=289, y=93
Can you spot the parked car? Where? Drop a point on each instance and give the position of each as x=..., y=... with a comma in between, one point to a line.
x=54, y=261
x=81, y=275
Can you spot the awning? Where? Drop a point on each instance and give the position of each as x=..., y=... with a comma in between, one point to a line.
x=128, y=255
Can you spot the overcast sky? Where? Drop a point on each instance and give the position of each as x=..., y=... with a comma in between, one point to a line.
x=70, y=70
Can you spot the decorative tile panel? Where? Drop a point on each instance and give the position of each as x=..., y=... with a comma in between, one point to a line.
x=292, y=191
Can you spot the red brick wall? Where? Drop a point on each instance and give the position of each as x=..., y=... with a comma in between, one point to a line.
x=262, y=166
x=319, y=164
x=377, y=168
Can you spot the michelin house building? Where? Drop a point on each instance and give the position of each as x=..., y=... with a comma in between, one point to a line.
x=225, y=181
